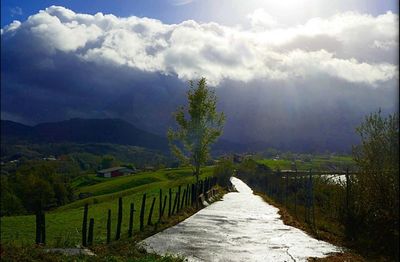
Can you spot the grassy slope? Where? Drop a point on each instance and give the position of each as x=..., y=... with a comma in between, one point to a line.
x=64, y=224
x=317, y=163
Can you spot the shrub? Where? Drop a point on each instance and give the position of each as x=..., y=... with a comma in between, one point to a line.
x=223, y=171
x=375, y=203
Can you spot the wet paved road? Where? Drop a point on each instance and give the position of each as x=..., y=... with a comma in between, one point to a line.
x=241, y=227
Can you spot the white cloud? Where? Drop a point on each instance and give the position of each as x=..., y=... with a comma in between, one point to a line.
x=11, y=27
x=261, y=19
x=16, y=11
x=354, y=47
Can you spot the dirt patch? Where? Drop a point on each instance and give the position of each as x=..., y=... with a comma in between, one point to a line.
x=339, y=257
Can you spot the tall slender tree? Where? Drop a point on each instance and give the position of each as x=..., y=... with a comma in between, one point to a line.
x=199, y=126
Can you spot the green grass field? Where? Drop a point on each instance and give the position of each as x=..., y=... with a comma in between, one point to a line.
x=63, y=225
x=316, y=163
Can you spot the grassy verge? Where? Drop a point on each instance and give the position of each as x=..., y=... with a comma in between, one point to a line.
x=328, y=231
x=123, y=250
x=63, y=225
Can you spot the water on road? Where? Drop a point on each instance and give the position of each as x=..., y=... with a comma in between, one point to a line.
x=241, y=227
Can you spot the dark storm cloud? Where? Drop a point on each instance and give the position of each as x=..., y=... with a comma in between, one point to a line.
x=306, y=90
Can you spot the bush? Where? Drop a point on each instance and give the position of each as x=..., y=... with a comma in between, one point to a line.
x=10, y=204
x=223, y=171
x=374, y=216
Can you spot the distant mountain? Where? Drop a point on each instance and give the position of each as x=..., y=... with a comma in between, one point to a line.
x=10, y=129
x=113, y=131
x=77, y=130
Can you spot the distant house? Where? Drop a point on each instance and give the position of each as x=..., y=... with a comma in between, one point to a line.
x=114, y=172
x=49, y=158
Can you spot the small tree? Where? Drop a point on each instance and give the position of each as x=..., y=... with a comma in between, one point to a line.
x=376, y=189
x=199, y=126
x=107, y=162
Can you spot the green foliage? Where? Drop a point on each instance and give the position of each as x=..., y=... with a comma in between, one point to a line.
x=107, y=162
x=223, y=171
x=199, y=126
x=37, y=193
x=375, y=207
x=10, y=203
x=253, y=173
x=85, y=157
x=247, y=167
x=35, y=185
x=59, y=177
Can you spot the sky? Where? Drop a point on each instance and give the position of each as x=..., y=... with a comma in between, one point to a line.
x=283, y=68
x=226, y=12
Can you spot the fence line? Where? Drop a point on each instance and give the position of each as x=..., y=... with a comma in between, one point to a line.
x=298, y=191
x=190, y=196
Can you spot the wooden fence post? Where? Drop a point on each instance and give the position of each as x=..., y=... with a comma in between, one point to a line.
x=170, y=202
x=295, y=193
x=349, y=213
x=287, y=190
x=151, y=211
x=183, y=198
x=306, y=190
x=109, y=227
x=276, y=186
x=43, y=228
x=347, y=191
x=192, y=195
x=142, y=212
x=196, y=195
x=187, y=195
x=38, y=225
x=160, y=206
x=312, y=199
x=164, y=205
x=130, y=228
x=175, y=201
x=84, y=225
x=119, y=221
x=280, y=186
x=90, y=236
x=179, y=199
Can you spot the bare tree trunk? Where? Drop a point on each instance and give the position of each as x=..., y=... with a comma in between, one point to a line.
x=197, y=185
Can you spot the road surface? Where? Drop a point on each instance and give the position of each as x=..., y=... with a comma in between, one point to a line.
x=241, y=227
